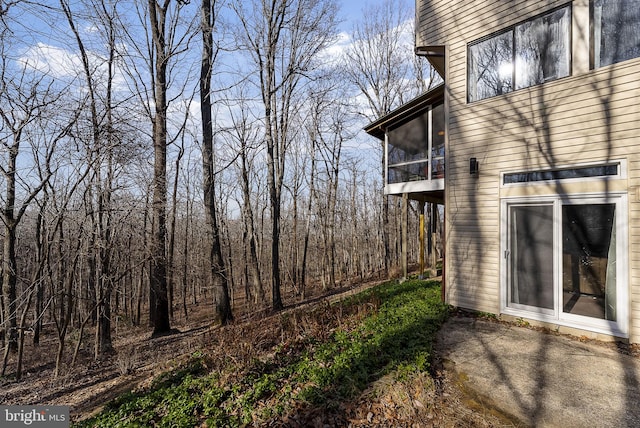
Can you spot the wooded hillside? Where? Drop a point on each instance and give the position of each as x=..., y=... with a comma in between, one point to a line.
x=158, y=157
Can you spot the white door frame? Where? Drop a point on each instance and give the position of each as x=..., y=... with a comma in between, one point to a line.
x=620, y=327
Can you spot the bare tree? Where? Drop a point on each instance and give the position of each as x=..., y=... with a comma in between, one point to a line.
x=158, y=285
x=25, y=102
x=295, y=184
x=113, y=230
x=100, y=152
x=327, y=129
x=243, y=136
x=332, y=137
x=222, y=303
x=61, y=267
x=284, y=38
x=169, y=35
x=28, y=128
x=172, y=230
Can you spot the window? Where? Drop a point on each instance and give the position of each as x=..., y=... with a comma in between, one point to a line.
x=615, y=31
x=562, y=174
x=415, y=148
x=408, y=150
x=530, y=53
x=543, y=48
x=490, y=67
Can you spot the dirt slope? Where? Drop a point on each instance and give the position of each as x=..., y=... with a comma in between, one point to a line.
x=433, y=400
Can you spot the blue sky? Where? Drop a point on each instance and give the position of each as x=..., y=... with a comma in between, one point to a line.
x=43, y=43
x=350, y=11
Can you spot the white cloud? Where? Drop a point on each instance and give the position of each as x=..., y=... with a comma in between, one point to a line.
x=60, y=63
x=334, y=52
x=53, y=61
x=344, y=41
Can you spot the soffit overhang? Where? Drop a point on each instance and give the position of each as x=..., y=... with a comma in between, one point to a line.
x=405, y=112
x=435, y=56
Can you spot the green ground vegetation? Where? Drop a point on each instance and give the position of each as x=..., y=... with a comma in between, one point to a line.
x=388, y=330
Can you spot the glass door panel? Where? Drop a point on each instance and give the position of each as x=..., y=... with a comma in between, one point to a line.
x=589, y=260
x=565, y=261
x=531, y=256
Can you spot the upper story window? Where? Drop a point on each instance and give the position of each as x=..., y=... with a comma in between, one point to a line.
x=527, y=54
x=615, y=31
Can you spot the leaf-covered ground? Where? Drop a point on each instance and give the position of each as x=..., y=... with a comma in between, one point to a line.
x=364, y=361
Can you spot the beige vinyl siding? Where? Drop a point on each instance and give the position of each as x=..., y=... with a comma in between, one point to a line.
x=565, y=101
x=440, y=21
x=588, y=117
x=474, y=242
x=635, y=319
x=482, y=303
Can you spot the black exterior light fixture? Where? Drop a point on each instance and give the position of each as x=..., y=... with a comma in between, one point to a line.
x=473, y=166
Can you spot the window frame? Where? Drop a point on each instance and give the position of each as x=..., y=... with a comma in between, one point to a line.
x=557, y=175
x=512, y=30
x=619, y=327
x=592, y=41
x=484, y=39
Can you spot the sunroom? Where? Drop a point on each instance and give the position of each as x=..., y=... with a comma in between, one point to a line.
x=414, y=142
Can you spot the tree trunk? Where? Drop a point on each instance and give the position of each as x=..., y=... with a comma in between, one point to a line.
x=185, y=258
x=172, y=233
x=222, y=304
x=103, y=344
x=22, y=328
x=9, y=268
x=307, y=230
x=253, y=273
x=9, y=279
x=158, y=274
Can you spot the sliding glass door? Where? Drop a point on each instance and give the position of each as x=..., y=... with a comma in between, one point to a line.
x=531, y=257
x=589, y=260
x=563, y=261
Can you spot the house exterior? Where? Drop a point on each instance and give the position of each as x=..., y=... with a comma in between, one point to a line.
x=541, y=145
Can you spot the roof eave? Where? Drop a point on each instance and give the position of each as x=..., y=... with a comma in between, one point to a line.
x=435, y=56
x=378, y=128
